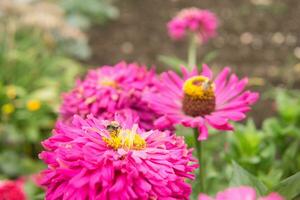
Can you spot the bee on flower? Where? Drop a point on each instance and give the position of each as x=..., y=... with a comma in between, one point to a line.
x=199, y=100
x=115, y=159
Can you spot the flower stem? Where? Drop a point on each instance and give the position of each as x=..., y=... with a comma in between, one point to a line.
x=198, y=146
x=192, y=52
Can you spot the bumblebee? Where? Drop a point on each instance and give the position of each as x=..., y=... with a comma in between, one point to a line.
x=113, y=128
x=207, y=85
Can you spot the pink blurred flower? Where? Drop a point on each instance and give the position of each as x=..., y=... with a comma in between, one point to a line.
x=198, y=100
x=98, y=159
x=272, y=196
x=109, y=89
x=204, y=197
x=202, y=23
x=12, y=190
x=240, y=193
x=237, y=193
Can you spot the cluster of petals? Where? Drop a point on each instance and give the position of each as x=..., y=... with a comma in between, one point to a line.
x=109, y=89
x=232, y=101
x=202, y=23
x=82, y=166
x=240, y=193
x=12, y=190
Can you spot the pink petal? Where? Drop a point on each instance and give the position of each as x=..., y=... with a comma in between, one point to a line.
x=220, y=80
x=203, y=133
x=204, y=197
x=232, y=115
x=217, y=120
x=272, y=196
x=237, y=193
x=206, y=71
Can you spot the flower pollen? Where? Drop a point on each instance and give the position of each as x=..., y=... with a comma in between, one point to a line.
x=124, y=138
x=108, y=82
x=199, y=96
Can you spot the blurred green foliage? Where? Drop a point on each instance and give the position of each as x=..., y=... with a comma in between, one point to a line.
x=83, y=14
x=36, y=66
x=32, y=75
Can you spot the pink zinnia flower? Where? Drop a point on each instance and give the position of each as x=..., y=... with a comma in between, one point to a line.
x=12, y=190
x=240, y=193
x=202, y=23
x=109, y=89
x=98, y=159
x=198, y=100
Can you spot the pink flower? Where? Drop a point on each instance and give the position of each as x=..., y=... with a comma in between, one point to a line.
x=240, y=193
x=198, y=100
x=98, y=159
x=12, y=190
x=109, y=89
x=272, y=196
x=202, y=23
x=237, y=193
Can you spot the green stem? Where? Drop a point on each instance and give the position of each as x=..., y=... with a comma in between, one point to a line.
x=192, y=52
x=198, y=146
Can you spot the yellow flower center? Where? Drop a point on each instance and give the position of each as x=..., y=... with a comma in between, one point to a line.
x=199, y=87
x=199, y=96
x=108, y=82
x=33, y=105
x=124, y=138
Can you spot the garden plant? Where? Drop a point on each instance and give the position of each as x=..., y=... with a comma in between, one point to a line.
x=125, y=131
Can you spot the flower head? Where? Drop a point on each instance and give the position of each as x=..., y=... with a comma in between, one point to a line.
x=197, y=100
x=33, y=105
x=202, y=23
x=99, y=159
x=12, y=190
x=112, y=88
x=240, y=193
x=8, y=108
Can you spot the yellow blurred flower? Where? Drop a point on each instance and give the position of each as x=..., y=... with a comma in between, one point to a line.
x=8, y=108
x=33, y=105
x=11, y=92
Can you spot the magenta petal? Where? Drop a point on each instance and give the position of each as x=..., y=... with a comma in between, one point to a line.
x=217, y=120
x=184, y=72
x=83, y=165
x=237, y=193
x=109, y=89
x=206, y=71
x=203, y=133
x=272, y=196
x=162, y=122
x=253, y=97
x=232, y=115
x=220, y=80
x=204, y=197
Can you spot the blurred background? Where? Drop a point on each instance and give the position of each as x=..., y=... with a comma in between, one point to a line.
x=46, y=44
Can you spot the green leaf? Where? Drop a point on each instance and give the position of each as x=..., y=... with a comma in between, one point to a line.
x=240, y=176
x=290, y=187
x=187, y=133
x=209, y=57
x=172, y=62
x=288, y=105
x=33, y=191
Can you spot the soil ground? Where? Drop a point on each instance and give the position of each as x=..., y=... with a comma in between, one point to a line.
x=257, y=38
